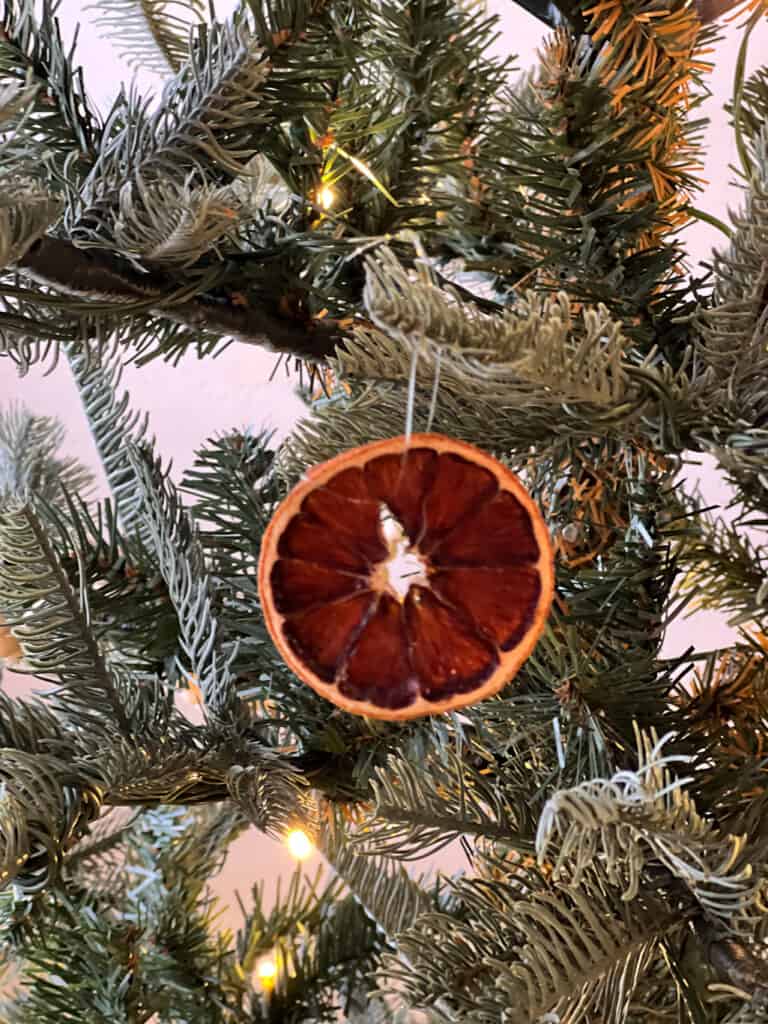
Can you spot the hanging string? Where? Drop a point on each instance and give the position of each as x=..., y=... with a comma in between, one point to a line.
x=435, y=384
x=410, y=406
x=411, y=400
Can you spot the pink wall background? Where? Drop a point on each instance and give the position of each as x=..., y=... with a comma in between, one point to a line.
x=192, y=401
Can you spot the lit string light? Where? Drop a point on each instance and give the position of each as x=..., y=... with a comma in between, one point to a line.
x=266, y=972
x=299, y=844
x=327, y=144
x=366, y=171
x=326, y=197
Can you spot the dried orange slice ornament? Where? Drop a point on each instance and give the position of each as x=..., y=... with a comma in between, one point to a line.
x=406, y=579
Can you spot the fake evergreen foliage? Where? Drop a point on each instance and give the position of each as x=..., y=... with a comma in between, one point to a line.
x=502, y=262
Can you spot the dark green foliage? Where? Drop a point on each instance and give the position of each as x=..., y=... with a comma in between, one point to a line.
x=64, y=123
x=137, y=944
x=511, y=921
x=754, y=103
x=324, y=972
x=29, y=459
x=129, y=600
x=140, y=939
x=235, y=495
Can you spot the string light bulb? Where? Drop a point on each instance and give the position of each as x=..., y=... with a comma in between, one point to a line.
x=299, y=844
x=326, y=197
x=266, y=972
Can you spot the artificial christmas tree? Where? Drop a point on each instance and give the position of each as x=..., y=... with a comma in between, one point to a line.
x=444, y=250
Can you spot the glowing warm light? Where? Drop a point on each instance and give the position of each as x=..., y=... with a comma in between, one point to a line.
x=326, y=197
x=368, y=173
x=267, y=973
x=299, y=844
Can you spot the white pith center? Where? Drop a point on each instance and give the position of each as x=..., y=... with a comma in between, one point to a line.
x=403, y=566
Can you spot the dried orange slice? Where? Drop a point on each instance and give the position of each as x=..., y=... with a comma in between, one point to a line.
x=405, y=579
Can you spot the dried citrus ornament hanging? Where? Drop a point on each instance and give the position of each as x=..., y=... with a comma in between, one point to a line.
x=407, y=577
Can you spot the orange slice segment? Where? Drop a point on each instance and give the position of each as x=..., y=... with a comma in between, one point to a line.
x=299, y=585
x=498, y=532
x=383, y=642
x=403, y=485
x=458, y=491
x=450, y=632
x=448, y=651
x=499, y=601
x=320, y=637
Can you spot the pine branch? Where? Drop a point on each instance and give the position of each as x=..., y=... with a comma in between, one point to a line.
x=177, y=764
x=147, y=337
x=723, y=568
x=263, y=784
x=130, y=609
x=535, y=350
x=741, y=450
x=32, y=727
x=206, y=659
x=46, y=807
x=739, y=306
x=731, y=327
x=587, y=172
x=469, y=374
x=270, y=793
x=615, y=580
x=61, y=120
x=52, y=618
x=176, y=223
x=385, y=889
x=234, y=494
x=102, y=844
x=339, y=957
x=208, y=128
x=155, y=33
x=101, y=277
x=324, y=945
x=753, y=107
x=208, y=124
x=170, y=767
x=114, y=427
x=26, y=213
x=421, y=809
x=518, y=948
x=147, y=946
x=210, y=829
x=410, y=110
x=31, y=332
x=234, y=497
x=301, y=905
x=724, y=711
x=724, y=700
x=39, y=319
x=29, y=460
x=642, y=815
